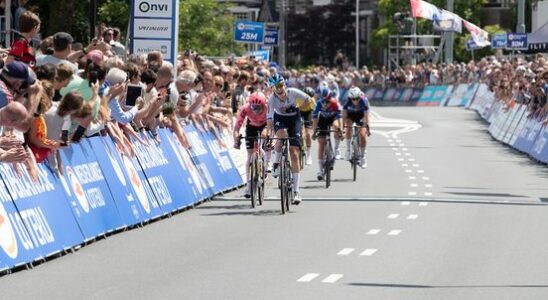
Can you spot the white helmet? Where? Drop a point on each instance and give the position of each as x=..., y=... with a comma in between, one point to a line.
x=354, y=92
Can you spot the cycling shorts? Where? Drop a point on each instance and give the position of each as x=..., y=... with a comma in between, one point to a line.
x=306, y=116
x=251, y=132
x=293, y=126
x=356, y=117
x=324, y=124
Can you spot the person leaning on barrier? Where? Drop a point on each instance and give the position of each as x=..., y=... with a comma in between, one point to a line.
x=11, y=149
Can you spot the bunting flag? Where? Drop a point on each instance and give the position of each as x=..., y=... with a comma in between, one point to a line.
x=423, y=9
x=442, y=19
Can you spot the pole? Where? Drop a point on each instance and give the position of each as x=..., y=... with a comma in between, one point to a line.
x=520, y=27
x=449, y=38
x=92, y=18
x=357, y=34
x=282, y=35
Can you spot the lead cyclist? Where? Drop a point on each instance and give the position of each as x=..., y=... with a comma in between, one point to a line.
x=356, y=110
x=284, y=120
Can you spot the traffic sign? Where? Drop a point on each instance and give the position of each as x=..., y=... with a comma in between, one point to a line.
x=271, y=37
x=499, y=41
x=517, y=41
x=249, y=32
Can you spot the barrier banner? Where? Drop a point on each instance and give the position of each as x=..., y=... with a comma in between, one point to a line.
x=123, y=190
x=521, y=143
x=540, y=149
x=228, y=170
x=88, y=192
x=462, y=95
x=390, y=94
x=370, y=93
x=516, y=117
x=449, y=90
x=483, y=101
x=43, y=211
x=161, y=177
x=533, y=135
x=12, y=235
x=523, y=120
x=469, y=95
x=507, y=124
x=426, y=96
x=203, y=159
x=179, y=181
x=416, y=94
x=378, y=95
x=137, y=182
x=238, y=157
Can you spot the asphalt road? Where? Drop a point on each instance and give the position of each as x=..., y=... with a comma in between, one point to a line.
x=442, y=212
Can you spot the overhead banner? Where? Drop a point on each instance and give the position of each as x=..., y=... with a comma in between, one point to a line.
x=43, y=211
x=154, y=26
x=249, y=32
x=90, y=199
x=499, y=41
x=517, y=41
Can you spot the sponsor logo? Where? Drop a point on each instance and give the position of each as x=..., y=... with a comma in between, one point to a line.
x=7, y=237
x=149, y=7
x=241, y=26
x=78, y=189
x=137, y=184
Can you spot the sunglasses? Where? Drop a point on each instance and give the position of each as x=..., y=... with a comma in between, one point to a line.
x=279, y=86
x=354, y=99
x=256, y=107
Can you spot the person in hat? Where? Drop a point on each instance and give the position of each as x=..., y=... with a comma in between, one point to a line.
x=15, y=78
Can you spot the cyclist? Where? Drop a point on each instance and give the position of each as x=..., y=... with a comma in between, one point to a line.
x=255, y=113
x=327, y=113
x=356, y=110
x=306, y=116
x=283, y=113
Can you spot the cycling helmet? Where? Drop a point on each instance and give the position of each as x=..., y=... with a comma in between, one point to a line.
x=354, y=93
x=309, y=91
x=257, y=98
x=325, y=93
x=275, y=79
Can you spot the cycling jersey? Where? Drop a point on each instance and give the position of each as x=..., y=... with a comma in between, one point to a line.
x=254, y=119
x=306, y=107
x=287, y=107
x=329, y=110
x=356, y=111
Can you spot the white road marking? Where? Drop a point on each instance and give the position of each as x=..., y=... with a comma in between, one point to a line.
x=416, y=165
x=392, y=145
x=412, y=177
x=404, y=149
x=308, y=277
x=412, y=217
x=332, y=278
x=373, y=232
x=411, y=159
x=393, y=216
x=413, y=185
x=420, y=171
x=426, y=178
x=423, y=204
x=394, y=232
x=408, y=171
x=400, y=159
x=395, y=149
x=405, y=203
x=368, y=252
x=412, y=193
x=389, y=140
x=401, y=145
x=428, y=185
x=398, y=141
x=404, y=165
x=398, y=154
x=407, y=154
x=428, y=193
x=346, y=251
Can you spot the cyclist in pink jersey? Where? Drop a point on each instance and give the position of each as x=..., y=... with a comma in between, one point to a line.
x=255, y=113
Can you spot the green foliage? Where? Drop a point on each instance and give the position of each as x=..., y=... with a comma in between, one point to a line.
x=207, y=27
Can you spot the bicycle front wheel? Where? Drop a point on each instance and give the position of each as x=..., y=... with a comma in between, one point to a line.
x=253, y=180
x=283, y=188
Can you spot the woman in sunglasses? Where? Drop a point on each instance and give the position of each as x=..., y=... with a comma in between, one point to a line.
x=356, y=111
x=255, y=113
x=283, y=114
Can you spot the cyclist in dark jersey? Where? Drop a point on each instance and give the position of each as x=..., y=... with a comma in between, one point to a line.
x=356, y=111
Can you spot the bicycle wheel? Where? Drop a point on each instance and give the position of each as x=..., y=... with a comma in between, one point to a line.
x=261, y=178
x=283, y=189
x=354, y=160
x=288, y=185
x=252, y=179
x=328, y=165
x=302, y=158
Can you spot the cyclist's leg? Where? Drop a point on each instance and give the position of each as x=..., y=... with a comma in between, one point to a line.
x=294, y=132
x=362, y=143
x=348, y=136
x=307, y=126
x=279, y=132
x=322, y=126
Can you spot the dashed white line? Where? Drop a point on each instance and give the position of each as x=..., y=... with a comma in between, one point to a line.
x=428, y=194
x=413, y=185
x=332, y=278
x=412, y=193
x=428, y=185
x=405, y=203
x=412, y=217
x=404, y=165
x=368, y=252
x=407, y=154
x=404, y=149
x=423, y=204
x=412, y=177
x=398, y=154
x=400, y=159
x=411, y=159
x=395, y=149
x=416, y=165
x=393, y=216
x=392, y=145
x=420, y=171
x=408, y=171
x=373, y=232
x=426, y=178
x=394, y=232
x=308, y=277
x=346, y=251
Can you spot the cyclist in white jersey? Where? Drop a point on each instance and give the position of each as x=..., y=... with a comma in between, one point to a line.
x=283, y=114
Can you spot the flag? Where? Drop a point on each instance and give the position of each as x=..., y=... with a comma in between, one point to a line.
x=447, y=21
x=423, y=9
x=480, y=36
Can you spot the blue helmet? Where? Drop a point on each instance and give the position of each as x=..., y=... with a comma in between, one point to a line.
x=325, y=93
x=275, y=79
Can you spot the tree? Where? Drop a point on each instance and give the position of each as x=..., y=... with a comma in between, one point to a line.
x=207, y=27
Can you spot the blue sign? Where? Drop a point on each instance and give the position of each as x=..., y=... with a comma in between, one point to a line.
x=517, y=41
x=43, y=211
x=85, y=186
x=271, y=37
x=263, y=55
x=471, y=45
x=249, y=32
x=499, y=41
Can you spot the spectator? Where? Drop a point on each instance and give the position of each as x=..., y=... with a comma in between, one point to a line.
x=29, y=26
x=62, y=47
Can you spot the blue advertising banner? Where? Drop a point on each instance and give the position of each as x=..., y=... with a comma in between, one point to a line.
x=517, y=41
x=427, y=95
x=499, y=41
x=13, y=233
x=370, y=93
x=137, y=182
x=263, y=55
x=378, y=96
x=159, y=175
x=195, y=181
x=389, y=94
x=444, y=98
x=540, y=147
x=203, y=160
x=219, y=150
x=119, y=183
x=271, y=37
x=471, y=45
x=469, y=94
x=532, y=136
x=417, y=92
x=85, y=186
x=249, y=32
x=43, y=210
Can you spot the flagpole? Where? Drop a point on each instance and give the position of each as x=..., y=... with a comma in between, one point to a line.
x=449, y=38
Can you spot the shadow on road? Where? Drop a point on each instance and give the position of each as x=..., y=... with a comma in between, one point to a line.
x=414, y=286
x=256, y=213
